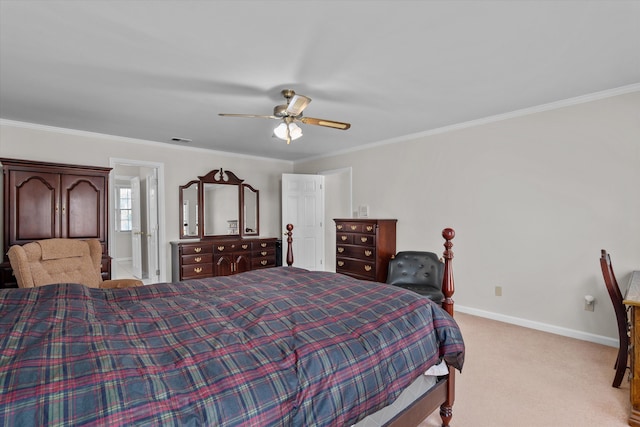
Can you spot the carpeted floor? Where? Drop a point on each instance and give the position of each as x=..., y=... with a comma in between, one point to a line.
x=516, y=376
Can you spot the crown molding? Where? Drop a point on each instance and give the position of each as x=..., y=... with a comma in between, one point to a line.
x=115, y=138
x=623, y=90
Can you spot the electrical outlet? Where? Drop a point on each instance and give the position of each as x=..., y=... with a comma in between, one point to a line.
x=498, y=291
x=588, y=306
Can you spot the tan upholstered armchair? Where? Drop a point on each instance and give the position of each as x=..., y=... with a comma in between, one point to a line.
x=50, y=261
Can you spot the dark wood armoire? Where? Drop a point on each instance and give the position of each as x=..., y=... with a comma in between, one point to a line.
x=45, y=200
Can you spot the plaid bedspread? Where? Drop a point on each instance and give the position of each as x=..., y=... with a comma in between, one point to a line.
x=274, y=347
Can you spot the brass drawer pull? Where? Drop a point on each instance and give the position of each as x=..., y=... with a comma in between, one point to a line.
x=264, y=262
x=245, y=246
x=263, y=253
x=340, y=249
x=367, y=268
x=198, y=259
x=364, y=239
x=343, y=237
x=198, y=269
x=197, y=250
x=353, y=227
x=369, y=227
x=340, y=263
x=221, y=248
x=339, y=226
x=368, y=252
x=263, y=245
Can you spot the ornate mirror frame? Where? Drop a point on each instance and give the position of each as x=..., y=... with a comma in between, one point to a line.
x=189, y=210
x=250, y=210
x=224, y=207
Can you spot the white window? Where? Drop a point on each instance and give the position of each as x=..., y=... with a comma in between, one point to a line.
x=123, y=208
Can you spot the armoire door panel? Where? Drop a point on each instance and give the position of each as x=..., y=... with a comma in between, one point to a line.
x=83, y=207
x=34, y=205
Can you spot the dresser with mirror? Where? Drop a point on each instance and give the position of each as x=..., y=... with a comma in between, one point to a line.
x=219, y=229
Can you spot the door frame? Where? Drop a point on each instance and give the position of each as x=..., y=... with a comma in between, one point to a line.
x=338, y=189
x=136, y=227
x=159, y=167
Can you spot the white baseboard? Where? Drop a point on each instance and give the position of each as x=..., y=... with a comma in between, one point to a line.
x=545, y=327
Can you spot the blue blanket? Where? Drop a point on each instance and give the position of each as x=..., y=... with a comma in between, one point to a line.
x=273, y=347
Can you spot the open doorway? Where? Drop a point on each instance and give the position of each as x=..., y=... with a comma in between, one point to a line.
x=136, y=220
x=338, y=205
x=310, y=203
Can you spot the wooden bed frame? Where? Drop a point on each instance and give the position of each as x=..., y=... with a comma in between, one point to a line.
x=442, y=394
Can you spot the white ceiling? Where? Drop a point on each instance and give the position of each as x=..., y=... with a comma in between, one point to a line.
x=154, y=70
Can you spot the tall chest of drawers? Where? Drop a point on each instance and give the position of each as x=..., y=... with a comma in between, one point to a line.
x=220, y=257
x=364, y=247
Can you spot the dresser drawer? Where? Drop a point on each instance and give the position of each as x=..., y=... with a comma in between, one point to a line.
x=258, y=246
x=197, y=259
x=344, y=238
x=364, y=240
x=196, y=249
x=197, y=270
x=355, y=227
x=263, y=262
x=351, y=266
x=359, y=252
x=220, y=248
x=270, y=253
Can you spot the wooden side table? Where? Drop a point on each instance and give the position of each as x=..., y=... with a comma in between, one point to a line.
x=632, y=299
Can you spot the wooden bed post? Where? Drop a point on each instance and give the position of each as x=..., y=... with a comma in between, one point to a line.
x=448, y=289
x=289, y=244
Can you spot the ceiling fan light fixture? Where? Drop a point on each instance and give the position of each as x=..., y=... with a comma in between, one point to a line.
x=280, y=131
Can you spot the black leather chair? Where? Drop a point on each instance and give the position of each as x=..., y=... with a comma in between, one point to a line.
x=621, y=316
x=417, y=271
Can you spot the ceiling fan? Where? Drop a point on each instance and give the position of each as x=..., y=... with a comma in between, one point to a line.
x=290, y=113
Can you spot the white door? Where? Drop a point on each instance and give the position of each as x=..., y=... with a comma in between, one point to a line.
x=152, y=229
x=136, y=232
x=303, y=206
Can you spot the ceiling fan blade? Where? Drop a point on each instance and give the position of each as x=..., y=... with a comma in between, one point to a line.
x=249, y=116
x=325, y=123
x=297, y=104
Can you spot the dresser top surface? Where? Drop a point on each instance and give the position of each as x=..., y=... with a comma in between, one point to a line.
x=632, y=296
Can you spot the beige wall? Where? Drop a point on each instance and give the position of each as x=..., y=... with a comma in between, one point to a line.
x=533, y=200
x=181, y=165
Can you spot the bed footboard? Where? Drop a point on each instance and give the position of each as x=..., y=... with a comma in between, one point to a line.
x=443, y=393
